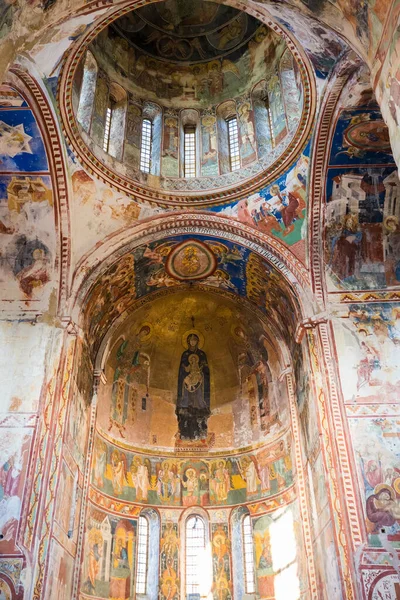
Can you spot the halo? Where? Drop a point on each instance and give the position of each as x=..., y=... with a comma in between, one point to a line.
x=384, y=486
x=146, y=337
x=189, y=332
x=396, y=485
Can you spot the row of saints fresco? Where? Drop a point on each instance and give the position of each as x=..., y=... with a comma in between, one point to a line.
x=183, y=482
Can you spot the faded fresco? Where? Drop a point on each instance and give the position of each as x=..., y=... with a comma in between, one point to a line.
x=368, y=359
x=174, y=481
x=14, y=447
x=221, y=562
x=27, y=238
x=109, y=563
x=362, y=233
x=60, y=573
x=376, y=448
x=169, y=561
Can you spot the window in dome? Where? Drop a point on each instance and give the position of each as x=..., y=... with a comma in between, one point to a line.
x=145, y=148
x=233, y=136
x=195, y=545
x=248, y=554
x=142, y=556
x=190, y=151
x=107, y=126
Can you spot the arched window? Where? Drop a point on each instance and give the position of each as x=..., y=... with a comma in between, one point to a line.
x=190, y=151
x=248, y=554
x=88, y=90
x=262, y=119
x=225, y=113
x=194, y=556
x=145, y=146
x=114, y=127
x=142, y=555
x=233, y=137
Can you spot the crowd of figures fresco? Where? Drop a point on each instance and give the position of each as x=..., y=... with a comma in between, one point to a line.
x=362, y=238
x=27, y=240
x=175, y=481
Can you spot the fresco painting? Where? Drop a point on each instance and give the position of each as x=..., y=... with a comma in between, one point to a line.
x=170, y=156
x=362, y=236
x=27, y=239
x=109, y=565
x=280, y=208
x=178, y=482
x=169, y=561
x=221, y=562
x=376, y=448
x=368, y=362
x=209, y=142
x=14, y=448
x=60, y=572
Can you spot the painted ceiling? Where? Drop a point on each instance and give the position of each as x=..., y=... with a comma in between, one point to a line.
x=219, y=265
x=186, y=30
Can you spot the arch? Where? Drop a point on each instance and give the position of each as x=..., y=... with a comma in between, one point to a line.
x=292, y=96
x=262, y=120
x=206, y=583
x=225, y=111
x=153, y=554
x=189, y=119
x=153, y=112
x=118, y=106
x=87, y=92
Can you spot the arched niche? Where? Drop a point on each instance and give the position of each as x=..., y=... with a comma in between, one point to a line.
x=225, y=111
x=291, y=88
x=262, y=120
x=153, y=112
x=189, y=120
x=118, y=106
x=153, y=554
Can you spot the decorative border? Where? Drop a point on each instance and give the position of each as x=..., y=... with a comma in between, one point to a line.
x=95, y=262
x=140, y=192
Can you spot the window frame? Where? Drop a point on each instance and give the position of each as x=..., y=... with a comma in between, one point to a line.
x=246, y=542
x=193, y=588
x=189, y=151
x=142, y=580
x=233, y=142
x=146, y=150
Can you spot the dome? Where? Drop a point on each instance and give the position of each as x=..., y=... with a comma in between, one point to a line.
x=186, y=102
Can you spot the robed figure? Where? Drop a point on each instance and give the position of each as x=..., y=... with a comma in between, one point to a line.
x=193, y=398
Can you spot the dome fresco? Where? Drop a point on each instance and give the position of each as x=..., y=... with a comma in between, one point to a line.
x=200, y=299
x=240, y=68
x=183, y=32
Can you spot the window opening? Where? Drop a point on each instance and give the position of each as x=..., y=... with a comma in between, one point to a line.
x=271, y=126
x=248, y=552
x=107, y=127
x=233, y=137
x=190, y=151
x=143, y=544
x=195, y=544
x=145, y=149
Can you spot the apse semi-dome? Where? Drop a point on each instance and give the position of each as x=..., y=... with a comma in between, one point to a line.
x=177, y=103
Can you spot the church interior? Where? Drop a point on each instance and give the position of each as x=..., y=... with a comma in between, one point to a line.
x=200, y=300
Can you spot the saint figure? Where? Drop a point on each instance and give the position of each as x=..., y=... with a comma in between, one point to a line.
x=193, y=398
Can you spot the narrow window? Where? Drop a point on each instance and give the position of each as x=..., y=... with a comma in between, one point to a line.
x=143, y=546
x=145, y=148
x=107, y=126
x=233, y=136
x=248, y=552
x=271, y=126
x=190, y=151
x=195, y=544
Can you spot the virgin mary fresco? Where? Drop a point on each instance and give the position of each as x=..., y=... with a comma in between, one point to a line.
x=193, y=397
